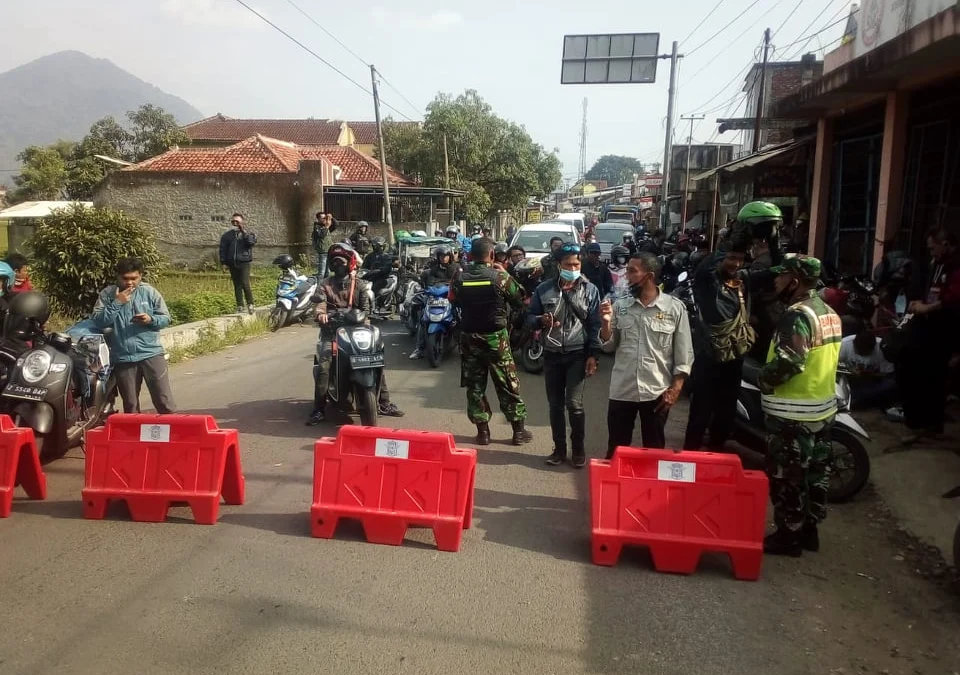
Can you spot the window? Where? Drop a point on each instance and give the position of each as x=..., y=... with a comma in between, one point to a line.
x=184, y=217
x=218, y=219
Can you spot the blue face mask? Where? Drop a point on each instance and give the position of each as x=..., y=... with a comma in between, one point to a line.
x=569, y=275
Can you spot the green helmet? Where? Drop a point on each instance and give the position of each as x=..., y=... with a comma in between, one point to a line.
x=763, y=219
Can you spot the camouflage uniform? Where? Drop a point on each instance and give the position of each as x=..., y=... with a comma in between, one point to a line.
x=489, y=353
x=799, y=453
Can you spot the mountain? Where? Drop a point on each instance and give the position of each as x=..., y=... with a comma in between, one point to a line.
x=61, y=95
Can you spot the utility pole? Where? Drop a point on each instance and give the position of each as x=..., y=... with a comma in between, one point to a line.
x=686, y=181
x=582, y=169
x=668, y=141
x=446, y=163
x=383, y=157
x=763, y=77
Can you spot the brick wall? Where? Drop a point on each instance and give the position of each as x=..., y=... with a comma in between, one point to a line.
x=189, y=212
x=782, y=80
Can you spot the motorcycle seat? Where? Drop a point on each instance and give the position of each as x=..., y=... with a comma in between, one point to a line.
x=751, y=371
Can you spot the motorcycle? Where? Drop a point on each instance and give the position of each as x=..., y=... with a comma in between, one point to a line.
x=294, y=295
x=439, y=321
x=953, y=494
x=60, y=389
x=850, y=468
x=412, y=306
x=383, y=300
x=683, y=291
x=525, y=339
x=356, y=368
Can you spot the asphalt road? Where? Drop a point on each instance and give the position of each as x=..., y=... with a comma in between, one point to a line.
x=256, y=594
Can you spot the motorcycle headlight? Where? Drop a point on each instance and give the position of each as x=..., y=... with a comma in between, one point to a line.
x=363, y=339
x=35, y=366
x=843, y=393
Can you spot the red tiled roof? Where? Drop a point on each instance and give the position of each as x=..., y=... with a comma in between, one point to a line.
x=258, y=154
x=302, y=131
x=355, y=166
x=365, y=133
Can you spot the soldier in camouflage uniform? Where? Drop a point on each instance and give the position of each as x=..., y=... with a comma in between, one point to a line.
x=798, y=385
x=482, y=293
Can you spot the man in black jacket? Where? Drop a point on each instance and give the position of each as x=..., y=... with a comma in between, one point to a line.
x=236, y=254
x=595, y=271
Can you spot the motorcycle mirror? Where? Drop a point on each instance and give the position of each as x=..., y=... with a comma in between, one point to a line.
x=682, y=277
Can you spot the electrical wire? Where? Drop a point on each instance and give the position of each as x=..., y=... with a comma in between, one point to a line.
x=719, y=32
x=808, y=37
x=789, y=16
x=318, y=57
x=733, y=42
x=702, y=21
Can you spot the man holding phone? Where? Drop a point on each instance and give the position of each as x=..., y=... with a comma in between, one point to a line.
x=136, y=312
x=236, y=254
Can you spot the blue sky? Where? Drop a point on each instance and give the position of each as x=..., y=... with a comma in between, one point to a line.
x=221, y=58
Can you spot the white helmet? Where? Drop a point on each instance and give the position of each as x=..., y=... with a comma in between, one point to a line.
x=452, y=228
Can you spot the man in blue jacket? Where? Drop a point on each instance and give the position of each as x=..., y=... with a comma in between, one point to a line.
x=236, y=254
x=136, y=312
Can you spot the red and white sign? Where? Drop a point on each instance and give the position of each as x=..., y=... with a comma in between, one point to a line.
x=653, y=181
x=646, y=202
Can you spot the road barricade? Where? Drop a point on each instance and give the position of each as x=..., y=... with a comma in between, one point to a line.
x=678, y=504
x=153, y=461
x=19, y=465
x=391, y=479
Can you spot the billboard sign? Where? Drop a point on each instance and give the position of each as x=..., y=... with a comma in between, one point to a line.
x=622, y=58
x=653, y=181
x=879, y=21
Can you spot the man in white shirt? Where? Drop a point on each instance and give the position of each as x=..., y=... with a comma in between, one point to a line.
x=650, y=334
x=872, y=381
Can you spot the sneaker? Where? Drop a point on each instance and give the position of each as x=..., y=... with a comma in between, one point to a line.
x=557, y=458
x=417, y=354
x=239, y=309
x=316, y=417
x=579, y=459
x=390, y=410
x=251, y=309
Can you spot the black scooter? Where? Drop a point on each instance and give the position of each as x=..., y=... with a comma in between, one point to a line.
x=356, y=369
x=60, y=389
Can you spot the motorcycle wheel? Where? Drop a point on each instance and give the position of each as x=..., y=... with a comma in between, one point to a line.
x=277, y=319
x=434, y=349
x=851, y=466
x=531, y=358
x=366, y=402
x=47, y=450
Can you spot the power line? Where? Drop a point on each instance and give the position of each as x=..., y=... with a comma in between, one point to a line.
x=794, y=11
x=803, y=33
x=317, y=56
x=717, y=34
x=702, y=21
x=351, y=52
x=732, y=42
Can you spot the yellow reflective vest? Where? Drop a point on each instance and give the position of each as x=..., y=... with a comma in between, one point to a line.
x=811, y=395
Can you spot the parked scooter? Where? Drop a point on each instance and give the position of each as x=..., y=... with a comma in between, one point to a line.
x=953, y=494
x=383, y=299
x=356, y=369
x=439, y=320
x=850, y=468
x=294, y=294
x=57, y=388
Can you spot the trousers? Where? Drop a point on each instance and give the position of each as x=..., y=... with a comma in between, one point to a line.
x=564, y=376
x=322, y=265
x=488, y=354
x=798, y=466
x=153, y=371
x=622, y=416
x=713, y=402
x=240, y=276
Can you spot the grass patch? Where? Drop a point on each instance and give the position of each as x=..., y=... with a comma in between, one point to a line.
x=212, y=340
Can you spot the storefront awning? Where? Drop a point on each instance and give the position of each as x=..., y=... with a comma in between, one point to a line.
x=751, y=160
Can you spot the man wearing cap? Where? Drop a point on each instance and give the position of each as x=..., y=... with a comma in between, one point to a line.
x=595, y=271
x=798, y=387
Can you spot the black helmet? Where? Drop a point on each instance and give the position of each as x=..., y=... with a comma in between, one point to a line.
x=284, y=260
x=501, y=247
x=619, y=252
x=441, y=251
x=378, y=243
x=26, y=313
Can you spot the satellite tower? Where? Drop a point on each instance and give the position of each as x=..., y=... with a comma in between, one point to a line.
x=582, y=170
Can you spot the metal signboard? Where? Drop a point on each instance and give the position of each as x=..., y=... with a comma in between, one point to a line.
x=621, y=58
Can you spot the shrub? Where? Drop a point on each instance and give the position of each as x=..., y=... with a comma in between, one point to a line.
x=199, y=306
x=75, y=251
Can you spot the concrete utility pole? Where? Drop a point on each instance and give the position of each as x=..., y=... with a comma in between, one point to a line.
x=383, y=157
x=763, y=77
x=686, y=181
x=668, y=141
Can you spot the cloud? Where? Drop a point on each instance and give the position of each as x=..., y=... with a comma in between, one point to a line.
x=432, y=22
x=210, y=13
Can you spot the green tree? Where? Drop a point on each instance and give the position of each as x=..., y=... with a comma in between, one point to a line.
x=615, y=169
x=153, y=131
x=107, y=137
x=76, y=249
x=43, y=175
x=495, y=161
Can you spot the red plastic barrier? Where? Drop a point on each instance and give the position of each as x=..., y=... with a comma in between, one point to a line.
x=390, y=479
x=152, y=461
x=679, y=504
x=19, y=465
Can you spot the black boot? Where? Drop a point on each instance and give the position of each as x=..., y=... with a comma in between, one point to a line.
x=483, y=433
x=783, y=542
x=810, y=537
x=557, y=457
x=520, y=433
x=578, y=424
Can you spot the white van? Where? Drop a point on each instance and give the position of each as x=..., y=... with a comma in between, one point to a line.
x=575, y=219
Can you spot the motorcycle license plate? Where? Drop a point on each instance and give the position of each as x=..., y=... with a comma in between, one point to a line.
x=25, y=392
x=439, y=302
x=360, y=361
